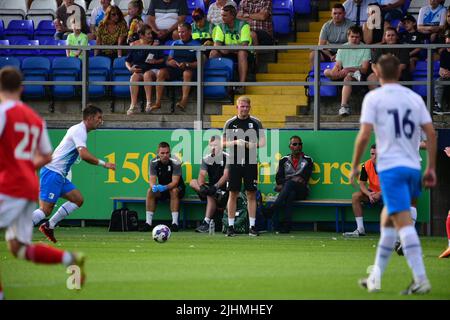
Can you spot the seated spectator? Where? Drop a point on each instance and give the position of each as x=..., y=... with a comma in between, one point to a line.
x=292, y=181
x=111, y=31
x=201, y=28
x=134, y=20
x=233, y=32
x=356, y=10
x=391, y=9
x=351, y=65
x=164, y=16
x=411, y=36
x=370, y=194
x=144, y=65
x=165, y=182
x=373, y=28
x=333, y=31
x=432, y=20
x=441, y=38
x=258, y=14
x=97, y=15
x=444, y=75
x=181, y=66
x=77, y=38
x=391, y=37
x=215, y=10
x=69, y=9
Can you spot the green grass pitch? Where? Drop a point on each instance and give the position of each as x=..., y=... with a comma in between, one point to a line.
x=301, y=265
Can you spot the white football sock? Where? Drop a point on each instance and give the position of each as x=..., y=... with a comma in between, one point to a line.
x=231, y=222
x=360, y=224
x=63, y=211
x=386, y=244
x=38, y=216
x=149, y=217
x=413, y=252
x=413, y=215
x=207, y=220
x=174, y=217
x=252, y=221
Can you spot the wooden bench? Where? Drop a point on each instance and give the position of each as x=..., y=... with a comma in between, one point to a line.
x=338, y=204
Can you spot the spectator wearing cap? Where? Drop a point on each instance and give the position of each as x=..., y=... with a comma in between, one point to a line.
x=432, y=20
x=258, y=14
x=356, y=10
x=444, y=75
x=410, y=35
x=201, y=28
x=215, y=10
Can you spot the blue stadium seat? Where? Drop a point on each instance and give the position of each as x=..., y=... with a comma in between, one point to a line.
x=2, y=30
x=192, y=5
x=35, y=69
x=23, y=53
x=120, y=73
x=50, y=53
x=420, y=74
x=283, y=16
x=65, y=69
x=4, y=52
x=9, y=61
x=20, y=29
x=168, y=43
x=92, y=43
x=302, y=6
x=44, y=30
x=217, y=70
x=99, y=70
x=325, y=91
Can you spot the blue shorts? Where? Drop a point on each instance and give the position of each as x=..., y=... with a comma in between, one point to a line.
x=399, y=186
x=53, y=185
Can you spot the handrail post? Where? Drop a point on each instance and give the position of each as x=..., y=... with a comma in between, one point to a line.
x=316, y=90
x=84, y=71
x=199, y=124
x=430, y=78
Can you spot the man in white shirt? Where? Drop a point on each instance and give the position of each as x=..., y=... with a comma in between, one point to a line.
x=356, y=10
x=431, y=21
x=396, y=114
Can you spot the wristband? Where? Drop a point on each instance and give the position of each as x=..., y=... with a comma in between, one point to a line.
x=101, y=163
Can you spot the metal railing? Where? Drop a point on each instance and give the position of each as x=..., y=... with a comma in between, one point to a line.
x=199, y=83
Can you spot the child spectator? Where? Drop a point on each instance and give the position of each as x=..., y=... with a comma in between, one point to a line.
x=411, y=36
x=134, y=19
x=77, y=38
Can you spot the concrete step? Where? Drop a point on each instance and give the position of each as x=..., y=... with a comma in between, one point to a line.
x=288, y=68
x=291, y=110
x=316, y=26
x=298, y=42
x=281, y=76
x=297, y=54
x=264, y=100
x=324, y=15
x=308, y=35
x=276, y=90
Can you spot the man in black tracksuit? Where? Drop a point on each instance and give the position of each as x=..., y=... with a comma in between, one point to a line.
x=292, y=178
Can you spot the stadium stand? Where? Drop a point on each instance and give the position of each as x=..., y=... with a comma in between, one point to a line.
x=123, y=5
x=44, y=30
x=282, y=16
x=12, y=10
x=23, y=53
x=325, y=91
x=20, y=29
x=93, y=4
x=193, y=4
x=2, y=30
x=99, y=70
x=53, y=53
x=65, y=69
x=81, y=3
x=4, y=52
x=35, y=69
x=217, y=70
x=302, y=6
x=9, y=61
x=42, y=10
x=420, y=74
x=120, y=73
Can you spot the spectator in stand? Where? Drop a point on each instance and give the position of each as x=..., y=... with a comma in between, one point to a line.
x=258, y=14
x=356, y=10
x=134, y=20
x=444, y=75
x=112, y=31
x=201, y=28
x=391, y=9
x=431, y=20
x=351, y=65
x=373, y=28
x=164, y=16
x=333, y=31
x=441, y=38
x=390, y=38
x=144, y=65
x=67, y=13
x=77, y=38
x=411, y=36
x=97, y=15
x=233, y=32
x=182, y=65
x=215, y=10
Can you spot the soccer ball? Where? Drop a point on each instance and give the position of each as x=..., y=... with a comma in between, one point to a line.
x=161, y=233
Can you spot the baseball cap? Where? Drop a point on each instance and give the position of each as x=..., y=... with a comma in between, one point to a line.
x=409, y=17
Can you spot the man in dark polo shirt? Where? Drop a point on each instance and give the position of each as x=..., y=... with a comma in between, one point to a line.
x=166, y=182
x=243, y=135
x=164, y=16
x=213, y=166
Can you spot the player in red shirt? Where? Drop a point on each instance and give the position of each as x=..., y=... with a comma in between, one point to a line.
x=24, y=148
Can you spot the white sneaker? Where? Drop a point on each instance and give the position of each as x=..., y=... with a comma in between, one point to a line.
x=132, y=110
x=354, y=234
x=369, y=284
x=344, y=111
x=417, y=288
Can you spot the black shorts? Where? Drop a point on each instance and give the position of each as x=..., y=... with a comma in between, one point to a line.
x=176, y=74
x=166, y=194
x=264, y=38
x=248, y=172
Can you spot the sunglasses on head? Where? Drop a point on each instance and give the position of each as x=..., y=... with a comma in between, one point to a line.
x=297, y=144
